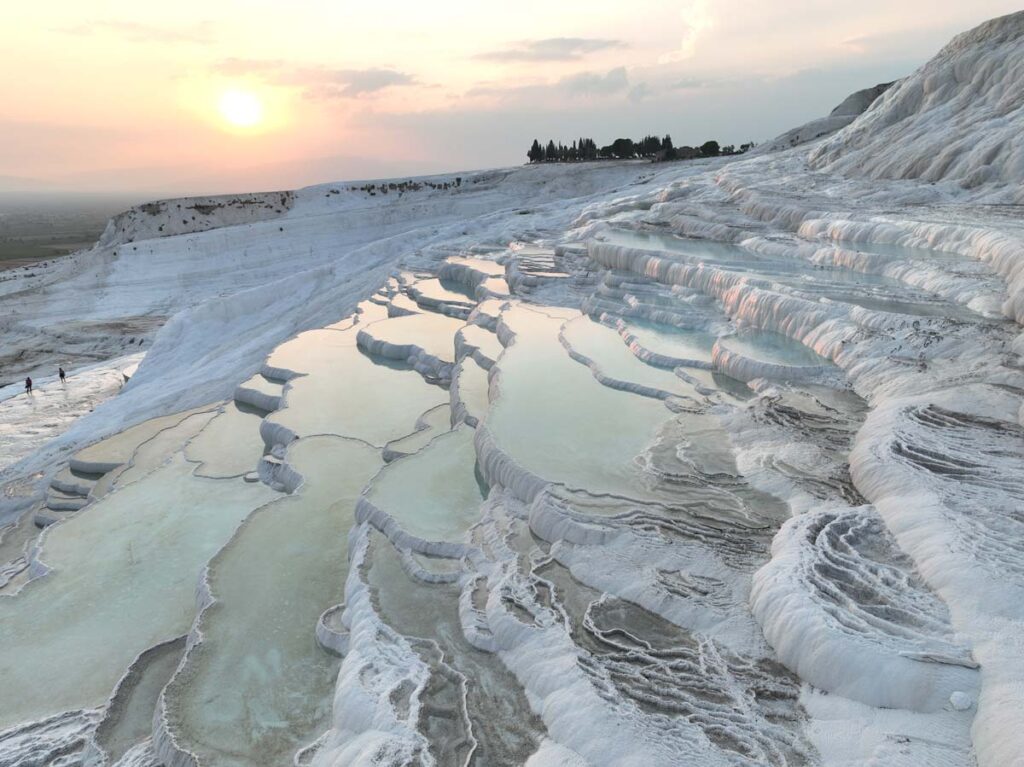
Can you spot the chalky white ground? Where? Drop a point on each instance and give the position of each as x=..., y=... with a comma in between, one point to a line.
x=624, y=464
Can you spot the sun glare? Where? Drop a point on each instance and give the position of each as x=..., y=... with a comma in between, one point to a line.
x=241, y=108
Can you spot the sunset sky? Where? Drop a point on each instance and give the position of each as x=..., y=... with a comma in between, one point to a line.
x=225, y=95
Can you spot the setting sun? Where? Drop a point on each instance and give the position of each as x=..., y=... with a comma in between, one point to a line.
x=241, y=108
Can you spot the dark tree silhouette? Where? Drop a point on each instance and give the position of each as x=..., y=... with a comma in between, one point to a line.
x=710, y=149
x=668, y=148
x=623, y=148
x=652, y=147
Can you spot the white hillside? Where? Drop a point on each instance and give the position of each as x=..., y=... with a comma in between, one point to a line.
x=186, y=215
x=214, y=298
x=959, y=118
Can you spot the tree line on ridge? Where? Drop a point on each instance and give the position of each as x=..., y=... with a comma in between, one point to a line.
x=649, y=147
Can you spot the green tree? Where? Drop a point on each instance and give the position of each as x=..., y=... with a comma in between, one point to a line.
x=668, y=148
x=710, y=149
x=623, y=148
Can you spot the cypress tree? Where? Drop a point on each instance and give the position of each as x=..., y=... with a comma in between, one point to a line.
x=536, y=153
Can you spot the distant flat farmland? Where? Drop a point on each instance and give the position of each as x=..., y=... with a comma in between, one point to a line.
x=37, y=226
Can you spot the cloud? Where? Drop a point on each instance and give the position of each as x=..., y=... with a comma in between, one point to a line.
x=552, y=49
x=690, y=83
x=639, y=92
x=582, y=85
x=593, y=84
x=697, y=20
x=889, y=42
x=350, y=83
x=198, y=34
x=318, y=82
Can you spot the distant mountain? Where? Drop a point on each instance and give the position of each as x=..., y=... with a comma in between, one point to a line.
x=22, y=184
x=844, y=114
x=177, y=181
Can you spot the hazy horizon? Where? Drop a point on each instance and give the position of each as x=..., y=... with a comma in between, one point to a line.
x=242, y=96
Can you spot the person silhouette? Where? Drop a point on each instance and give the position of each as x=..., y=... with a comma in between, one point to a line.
x=60, y=372
x=28, y=385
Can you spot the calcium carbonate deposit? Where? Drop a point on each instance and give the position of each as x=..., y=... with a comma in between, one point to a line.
x=707, y=463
